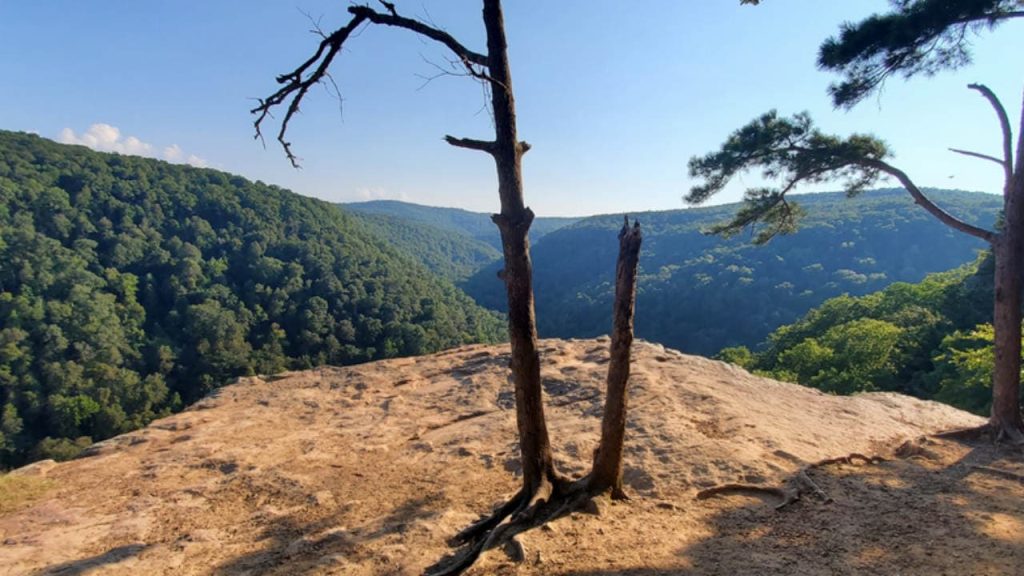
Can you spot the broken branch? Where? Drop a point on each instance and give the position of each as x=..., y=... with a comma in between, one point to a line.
x=978, y=155
x=481, y=145
x=1004, y=125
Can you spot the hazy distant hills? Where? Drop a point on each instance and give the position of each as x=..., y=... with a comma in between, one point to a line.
x=475, y=225
x=701, y=293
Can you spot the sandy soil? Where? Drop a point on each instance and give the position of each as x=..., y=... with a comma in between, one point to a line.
x=369, y=469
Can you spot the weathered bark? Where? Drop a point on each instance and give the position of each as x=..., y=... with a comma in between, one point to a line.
x=514, y=223
x=1008, y=250
x=545, y=494
x=1005, y=421
x=607, y=471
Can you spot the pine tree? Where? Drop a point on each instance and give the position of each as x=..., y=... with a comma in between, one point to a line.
x=917, y=37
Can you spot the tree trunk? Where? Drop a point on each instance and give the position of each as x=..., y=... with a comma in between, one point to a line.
x=514, y=223
x=607, y=472
x=1008, y=250
x=1005, y=419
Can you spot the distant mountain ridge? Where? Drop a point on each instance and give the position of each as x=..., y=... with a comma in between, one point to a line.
x=476, y=225
x=701, y=293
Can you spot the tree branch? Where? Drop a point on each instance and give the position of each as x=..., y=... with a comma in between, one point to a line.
x=481, y=145
x=393, y=19
x=295, y=87
x=919, y=197
x=296, y=84
x=978, y=155
x=1004, y=124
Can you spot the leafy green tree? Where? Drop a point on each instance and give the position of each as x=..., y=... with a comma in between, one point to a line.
x=11, y=426
x=918, y=36
x=929, y=339
x=861, y=353
x=806, y=362
x=739, y=355
x=964, y=367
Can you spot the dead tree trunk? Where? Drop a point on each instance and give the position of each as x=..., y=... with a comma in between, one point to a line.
x=514, y=223
x=607, y=471
x=544, y=494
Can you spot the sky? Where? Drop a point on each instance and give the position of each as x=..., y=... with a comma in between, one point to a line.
x=615, y=97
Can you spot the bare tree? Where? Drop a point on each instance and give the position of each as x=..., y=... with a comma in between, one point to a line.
x=607, y=472
x=545, y=494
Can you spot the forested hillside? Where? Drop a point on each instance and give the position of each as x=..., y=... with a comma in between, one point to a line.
x=130, y=286
x=475, y=225
x=932, y=340
x=451, y=254
x=700, y=293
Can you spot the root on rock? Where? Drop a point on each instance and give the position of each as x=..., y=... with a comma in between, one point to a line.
x=1000, y=472
x=799, y=485
x=555, y=498
x=998, y=434
x=967, y=434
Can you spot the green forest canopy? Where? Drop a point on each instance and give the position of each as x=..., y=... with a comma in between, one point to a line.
x=130, y=286
x=445, y=252
x=932, y=339
x=700, y=293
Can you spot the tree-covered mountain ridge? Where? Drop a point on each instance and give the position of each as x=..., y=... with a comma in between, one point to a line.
x=446, y=252
x=129, y=286
x=475, y=225
x=700, y=293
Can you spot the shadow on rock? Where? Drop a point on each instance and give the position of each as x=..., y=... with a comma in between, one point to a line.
x=938, y=510
x=85, y=565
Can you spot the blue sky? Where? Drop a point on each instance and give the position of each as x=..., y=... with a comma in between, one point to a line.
x=614, y=96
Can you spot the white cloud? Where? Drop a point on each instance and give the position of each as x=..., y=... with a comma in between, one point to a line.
x=374, y=193
x=173, y=153
x=107, y=138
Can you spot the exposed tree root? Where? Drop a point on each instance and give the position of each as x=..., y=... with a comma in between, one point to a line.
x=487, y=523
x=1010, y=435
x=557, y=497
x=1000, y=472
x=785, y=496
x=848, y=459
x=807, y=482
x=800, y=484
x=998, y=434
x=975, y=433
